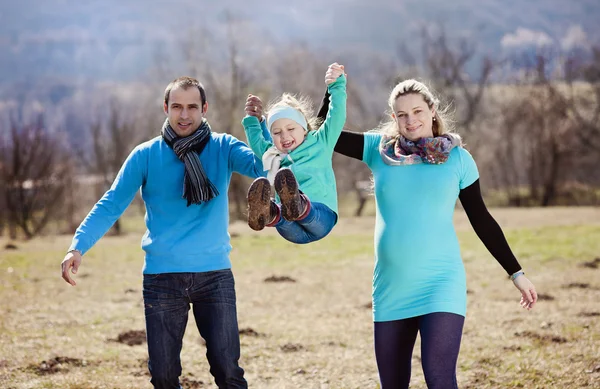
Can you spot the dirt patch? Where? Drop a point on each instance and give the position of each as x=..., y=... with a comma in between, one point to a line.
x=595, y=369
x=189, y=383
x=594, y=264
x=489, y=361
x=589, y=314
x=130, y=291
x=541, y=338
x=545, y=297
x=131, y=338
x=291, y=347
x=279, y=279
x=56, y=365
x=10, y=246
x=577, y=285
x=335, y=344
x=251, y=332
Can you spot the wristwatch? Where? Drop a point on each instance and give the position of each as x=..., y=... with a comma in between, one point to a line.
x=513, y=276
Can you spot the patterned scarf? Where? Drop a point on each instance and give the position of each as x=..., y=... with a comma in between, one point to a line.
x=397, y=150
x=197, y=188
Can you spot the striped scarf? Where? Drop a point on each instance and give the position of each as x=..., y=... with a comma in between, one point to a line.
x=197, y=188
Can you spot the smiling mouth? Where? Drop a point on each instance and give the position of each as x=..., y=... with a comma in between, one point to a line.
x=287, y=145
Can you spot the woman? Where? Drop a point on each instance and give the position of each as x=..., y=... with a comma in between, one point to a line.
x=419, y=286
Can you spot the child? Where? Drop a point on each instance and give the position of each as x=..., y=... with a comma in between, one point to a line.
x=306, y=210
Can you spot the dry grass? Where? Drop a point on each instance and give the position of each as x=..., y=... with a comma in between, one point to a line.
x=315, y=332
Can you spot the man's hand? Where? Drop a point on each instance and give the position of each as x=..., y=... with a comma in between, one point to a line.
x=333, y=72
x=71, y=262
x=254, y=106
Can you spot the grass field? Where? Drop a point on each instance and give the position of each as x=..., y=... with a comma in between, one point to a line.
x=304, y=311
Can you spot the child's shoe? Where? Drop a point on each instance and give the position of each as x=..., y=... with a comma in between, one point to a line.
x=261, y=210
x=294, y=205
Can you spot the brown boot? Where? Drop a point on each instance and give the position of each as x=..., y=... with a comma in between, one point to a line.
x=293, y=204
x=261, y=210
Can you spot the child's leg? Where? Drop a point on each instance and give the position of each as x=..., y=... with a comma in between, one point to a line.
x=316, y=224
x=293, y=204
x=261, y=209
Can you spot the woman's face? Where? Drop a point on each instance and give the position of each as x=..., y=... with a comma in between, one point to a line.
x=413, y=117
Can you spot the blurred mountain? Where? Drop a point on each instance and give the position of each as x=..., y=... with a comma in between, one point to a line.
x=102, y=40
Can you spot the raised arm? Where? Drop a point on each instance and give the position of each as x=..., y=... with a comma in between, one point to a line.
x=335, y=117
x=256, y=133
x=350, y=144
x=490, y=233
x=324, y=108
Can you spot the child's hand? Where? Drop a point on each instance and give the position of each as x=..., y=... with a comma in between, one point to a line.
x=254, y=106
x=333, y=72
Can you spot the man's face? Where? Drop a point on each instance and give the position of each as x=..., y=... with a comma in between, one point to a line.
x=185, y=110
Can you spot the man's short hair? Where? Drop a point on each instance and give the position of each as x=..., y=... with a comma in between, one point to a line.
x=185, y=82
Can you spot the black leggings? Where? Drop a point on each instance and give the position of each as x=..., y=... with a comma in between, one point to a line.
x=441, y=333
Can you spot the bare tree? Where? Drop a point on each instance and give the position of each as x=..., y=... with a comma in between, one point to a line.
x=535, y=146
x=3, y=188
x=505, y=170
x=585, y=104
x=112, y=138
x=449, y=65
x=34, y=169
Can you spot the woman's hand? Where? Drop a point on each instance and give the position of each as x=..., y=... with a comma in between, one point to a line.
x=528, y=294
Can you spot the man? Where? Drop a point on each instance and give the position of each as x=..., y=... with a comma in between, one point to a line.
x=184, y=175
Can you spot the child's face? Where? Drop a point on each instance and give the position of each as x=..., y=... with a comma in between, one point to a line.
x=287, y=134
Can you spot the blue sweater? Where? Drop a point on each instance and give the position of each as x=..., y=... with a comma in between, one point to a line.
x=178, y=238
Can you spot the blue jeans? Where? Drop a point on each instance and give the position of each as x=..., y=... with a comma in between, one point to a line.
x=167, y=299
x=316, y=225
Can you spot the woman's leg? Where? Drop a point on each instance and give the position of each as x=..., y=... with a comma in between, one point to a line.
x=441, y=333
x=394, y=343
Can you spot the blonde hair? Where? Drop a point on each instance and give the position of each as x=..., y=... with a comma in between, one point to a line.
x=441, y=123
x=300, y=103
